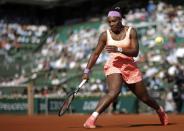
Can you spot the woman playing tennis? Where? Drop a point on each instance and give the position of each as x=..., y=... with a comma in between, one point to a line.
x=121, y=43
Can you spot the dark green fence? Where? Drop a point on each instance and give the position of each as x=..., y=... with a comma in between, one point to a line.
x=129, y=104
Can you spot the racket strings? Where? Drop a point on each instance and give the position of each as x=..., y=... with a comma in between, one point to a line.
x=66, y=104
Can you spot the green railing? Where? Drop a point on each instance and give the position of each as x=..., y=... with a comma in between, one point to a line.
x=85, y=104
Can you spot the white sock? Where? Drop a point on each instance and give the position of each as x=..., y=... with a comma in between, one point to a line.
x=95, y=114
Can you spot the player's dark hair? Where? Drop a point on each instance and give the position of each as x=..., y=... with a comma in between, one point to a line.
x=121, y=6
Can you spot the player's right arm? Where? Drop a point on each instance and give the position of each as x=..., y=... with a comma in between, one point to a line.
x=95, y=54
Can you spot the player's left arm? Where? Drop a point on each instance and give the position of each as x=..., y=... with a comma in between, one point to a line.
x=133, y=49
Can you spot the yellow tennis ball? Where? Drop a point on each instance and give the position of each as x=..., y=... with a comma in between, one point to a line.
x=159, y=40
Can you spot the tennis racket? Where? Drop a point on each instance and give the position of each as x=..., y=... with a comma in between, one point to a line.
x=66, y=103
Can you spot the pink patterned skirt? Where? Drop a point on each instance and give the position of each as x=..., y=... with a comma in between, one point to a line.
x=126, y=66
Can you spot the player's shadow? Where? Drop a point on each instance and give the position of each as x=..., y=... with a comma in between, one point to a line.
x=141, y=125
x=125, y=125
x=133, y=125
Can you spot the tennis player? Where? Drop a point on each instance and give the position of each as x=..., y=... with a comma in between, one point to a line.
x=121, y=43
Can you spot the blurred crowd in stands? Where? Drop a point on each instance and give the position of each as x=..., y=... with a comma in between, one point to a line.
x=12, y=35
x=162, y=63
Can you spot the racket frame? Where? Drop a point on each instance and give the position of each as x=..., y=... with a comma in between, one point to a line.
x=73, y=93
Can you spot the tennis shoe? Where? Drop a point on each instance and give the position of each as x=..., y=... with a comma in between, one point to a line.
x=90, y=122
x=163, y=116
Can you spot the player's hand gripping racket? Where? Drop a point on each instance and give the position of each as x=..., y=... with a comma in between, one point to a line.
x=66, y=103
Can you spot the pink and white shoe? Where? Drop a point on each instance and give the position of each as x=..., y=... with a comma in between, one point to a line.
x=163, y=116
x=90, y=122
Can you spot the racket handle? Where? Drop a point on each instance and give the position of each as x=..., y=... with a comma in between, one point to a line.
x=82, y=83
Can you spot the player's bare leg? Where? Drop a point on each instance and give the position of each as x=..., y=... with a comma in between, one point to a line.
x=114, y=82
x=140, y=91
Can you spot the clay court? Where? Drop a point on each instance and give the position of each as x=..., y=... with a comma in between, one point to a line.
x=75, y=122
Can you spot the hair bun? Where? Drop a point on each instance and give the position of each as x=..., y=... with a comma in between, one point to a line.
x=117, y=8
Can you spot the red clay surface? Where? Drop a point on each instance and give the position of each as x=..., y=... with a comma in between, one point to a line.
x=75, y=122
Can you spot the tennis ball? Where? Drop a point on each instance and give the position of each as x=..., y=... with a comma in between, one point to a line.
x=159, y=40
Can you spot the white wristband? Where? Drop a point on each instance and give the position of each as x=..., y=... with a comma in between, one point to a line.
x=119, y=49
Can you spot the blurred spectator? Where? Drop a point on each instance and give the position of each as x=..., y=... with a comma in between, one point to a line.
x=169, y=102
x=177, y=98
x=151, y=7
x=171, y=44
